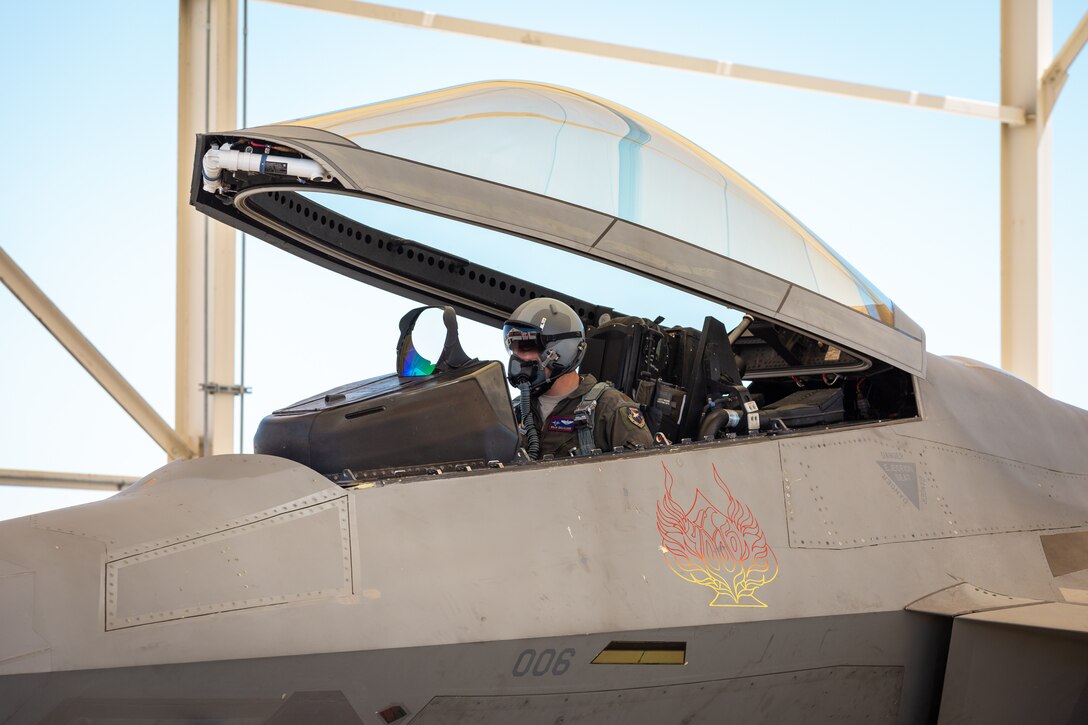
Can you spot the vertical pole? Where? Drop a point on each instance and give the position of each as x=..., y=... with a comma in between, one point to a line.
x=1026, y=202
x=242, y=271
x=207, y=100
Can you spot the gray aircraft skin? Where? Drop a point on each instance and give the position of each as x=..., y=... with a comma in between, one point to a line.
x=923, y=562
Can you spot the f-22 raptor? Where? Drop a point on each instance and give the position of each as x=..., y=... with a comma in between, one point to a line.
x=833, y=526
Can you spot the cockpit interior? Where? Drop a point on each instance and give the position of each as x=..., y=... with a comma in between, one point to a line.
x=797, y=341
x=710, y=385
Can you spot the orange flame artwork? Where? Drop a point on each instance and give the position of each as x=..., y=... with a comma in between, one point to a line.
x=724, y=551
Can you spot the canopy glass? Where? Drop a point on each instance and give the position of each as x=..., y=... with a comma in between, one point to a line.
x=596, y=154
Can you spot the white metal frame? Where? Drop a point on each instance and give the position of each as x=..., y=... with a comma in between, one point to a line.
x=207, y=99
x=44, y=479
x=1025, y=195
x=68, y=335
x=979, y=109
x=1054, y=77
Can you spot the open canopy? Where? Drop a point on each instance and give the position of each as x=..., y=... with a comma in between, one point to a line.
x=599, y=155
x=579, y=172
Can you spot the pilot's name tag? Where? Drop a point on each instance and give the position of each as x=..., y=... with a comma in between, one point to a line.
x=561, y=424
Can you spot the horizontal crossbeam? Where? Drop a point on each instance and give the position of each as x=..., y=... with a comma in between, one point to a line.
x=962, y=106
x=46, y=479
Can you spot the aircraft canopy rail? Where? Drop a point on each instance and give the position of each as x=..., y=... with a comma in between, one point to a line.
x=580, y=173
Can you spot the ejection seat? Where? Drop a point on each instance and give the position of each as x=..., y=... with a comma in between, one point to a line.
x=689, y=383
x=452, y=413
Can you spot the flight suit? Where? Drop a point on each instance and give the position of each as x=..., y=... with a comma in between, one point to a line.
x=617, y=422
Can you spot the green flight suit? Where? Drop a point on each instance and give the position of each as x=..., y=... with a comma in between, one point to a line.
x=617, y=422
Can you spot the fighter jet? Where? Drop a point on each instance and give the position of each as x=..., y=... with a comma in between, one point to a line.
x=833, y=525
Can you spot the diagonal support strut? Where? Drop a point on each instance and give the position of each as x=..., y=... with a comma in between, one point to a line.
x=90, y=358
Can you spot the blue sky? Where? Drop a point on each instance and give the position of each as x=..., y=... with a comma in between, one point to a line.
x=909, y=197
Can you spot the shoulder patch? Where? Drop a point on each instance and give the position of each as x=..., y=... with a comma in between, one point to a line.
x=561, y=423
x=633, y=417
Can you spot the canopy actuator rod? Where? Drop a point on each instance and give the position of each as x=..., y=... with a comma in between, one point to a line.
x=218, y=160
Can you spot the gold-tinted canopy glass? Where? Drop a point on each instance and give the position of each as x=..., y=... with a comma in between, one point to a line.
x=597, y=154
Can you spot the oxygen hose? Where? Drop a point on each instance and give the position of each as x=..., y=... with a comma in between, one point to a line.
x=717, y=420
x=531, y=435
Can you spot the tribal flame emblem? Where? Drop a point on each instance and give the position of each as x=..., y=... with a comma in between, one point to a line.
x=724, y=551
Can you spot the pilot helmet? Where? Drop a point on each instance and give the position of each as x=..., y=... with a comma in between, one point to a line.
x=552, y=329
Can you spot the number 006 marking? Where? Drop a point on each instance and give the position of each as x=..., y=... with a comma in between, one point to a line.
x=546, y=662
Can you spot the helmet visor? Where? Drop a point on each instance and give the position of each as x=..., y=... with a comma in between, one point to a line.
x=522, y=340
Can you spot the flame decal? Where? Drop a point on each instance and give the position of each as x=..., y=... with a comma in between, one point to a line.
x=724, y=551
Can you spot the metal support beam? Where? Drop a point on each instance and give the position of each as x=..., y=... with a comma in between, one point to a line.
x=1007, y=114
x=90, y=358
x=1056, y=74
x=1026, y=202
x=207, y=100
x=45, y=479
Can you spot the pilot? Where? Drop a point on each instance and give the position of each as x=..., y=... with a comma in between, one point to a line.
x=566, y=411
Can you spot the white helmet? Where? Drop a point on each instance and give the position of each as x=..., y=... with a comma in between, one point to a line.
x=551, y=328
